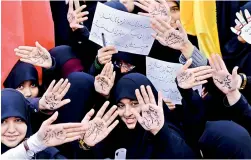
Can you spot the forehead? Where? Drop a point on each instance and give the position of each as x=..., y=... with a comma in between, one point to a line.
x=172, y=3
x=126, y=100
x=11, y=118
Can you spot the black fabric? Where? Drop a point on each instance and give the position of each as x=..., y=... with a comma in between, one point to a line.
x=21, y=72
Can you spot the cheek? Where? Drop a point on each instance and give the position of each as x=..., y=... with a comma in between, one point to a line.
x=20, y=91
x=3, y=129
x=121, y=112
x=176, y=16
x=34, y=92
x=22, y=129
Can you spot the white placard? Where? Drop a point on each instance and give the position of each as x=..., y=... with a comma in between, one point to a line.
x=127, y=32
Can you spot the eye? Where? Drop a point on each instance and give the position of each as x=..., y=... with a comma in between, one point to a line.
x=18, y=120
x=175, y=9
x=4, y=122
x=33, y=85
x=20, y=87
x=120, y=105
x=135, y=104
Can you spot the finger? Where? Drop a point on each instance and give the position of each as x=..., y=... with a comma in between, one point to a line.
x=137, y=115
x=70, y=126
x=238, y=24
x=56, y=87
x=108, y=70
x=62, y=103
x=63, y=93
x=109, y=53
x=112, y=118
x=102, y=109
x=88, y=116
x=27, y=48
x=144, y=14
x=107, y=61
x=111, y=127
x=235, y=31
x=241, y=19
x=157, y=25
x=76, y=4
x=80, y=8
x=163, y=23
x=151, y=96
x=74, y=134
x=187, y=64
x=198, y=70
x=107, y=48
x=204, y=72
x=180, y=27
x=70, y=5
x=139, y=97
x=216, y=63
x=76, y=26
x=51, y=119
x=221, y=62
x=51, y=86
x=159, y=38
x=200, y=83
x=82, y=14
x=234, y=72
x=204, y=77
x=159, y=33
x=113, y=77
x=62, y=87
x=75, y=129
x=103, y=72
x=171, y=107
x=211, y=62
x=109, y=113
x=82, y=19
x=26, y=60
x=160, y=99
x=141, y=6
x=105, y=58
x=247, y=14
x=40, y=48
x=144, y=94
x=67, y=140
x=24, y=52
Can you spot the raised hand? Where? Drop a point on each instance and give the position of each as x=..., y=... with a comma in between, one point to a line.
x=243, y=28
x=190, y=77
x=155, y=9
x=37, y=56
x=101, y=125
x=52, y=98
x=105, y=81
x=75, y=17
x=221, y=77
x=169, y=103
x=167, y=35
x=56, y=134
x=152, y=118
x=105, y=54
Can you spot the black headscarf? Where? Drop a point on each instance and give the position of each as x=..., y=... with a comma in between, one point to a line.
x=21, y=72
x=14, y=105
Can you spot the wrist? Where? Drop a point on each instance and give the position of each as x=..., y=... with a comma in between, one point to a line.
x=187, y=49
x=233, y=97
x=35, y=143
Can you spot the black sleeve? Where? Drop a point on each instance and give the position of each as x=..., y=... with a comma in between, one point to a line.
x=48, y=76
x=168, y=144
x=241, y=113
x=96, y=68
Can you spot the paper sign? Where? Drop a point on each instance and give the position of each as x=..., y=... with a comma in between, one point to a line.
x=127, y=32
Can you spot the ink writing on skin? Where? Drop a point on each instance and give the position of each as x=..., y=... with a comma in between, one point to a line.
x=37, y=56
x=70, y=17
x=184, y=76
x=159, y=10
x=94, y=130
x=173, y=39
x=103, y=83
x=150, y=118
x=50, y=134
x=51, y=100
x=225, y=82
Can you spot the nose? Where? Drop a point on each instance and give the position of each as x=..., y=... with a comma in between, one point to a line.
x=27, y=92
x=11, y=128
x=128, y=112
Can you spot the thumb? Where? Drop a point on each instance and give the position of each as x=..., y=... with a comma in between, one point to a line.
x=137, y=115
x=50, y=120
x=187, y=64
x=234, y=72
x=88, y=116
x=180, y=27
x=39, y=46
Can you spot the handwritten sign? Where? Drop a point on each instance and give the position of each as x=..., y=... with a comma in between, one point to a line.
x=127, y=32
x=162, y=74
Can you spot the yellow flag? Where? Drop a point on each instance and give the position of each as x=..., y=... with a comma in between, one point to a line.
x=199, y=19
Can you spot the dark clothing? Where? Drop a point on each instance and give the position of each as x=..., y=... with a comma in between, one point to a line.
x=18, y=106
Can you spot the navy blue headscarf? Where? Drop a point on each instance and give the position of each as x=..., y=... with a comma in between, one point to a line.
x=21, y=72
x=14, y=105
x=126, y=86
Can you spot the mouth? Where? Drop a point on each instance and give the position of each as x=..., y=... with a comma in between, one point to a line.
x=11, y=138
x=130, y=120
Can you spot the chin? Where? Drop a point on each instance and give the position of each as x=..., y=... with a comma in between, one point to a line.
x=11, y=144
x=131, y=126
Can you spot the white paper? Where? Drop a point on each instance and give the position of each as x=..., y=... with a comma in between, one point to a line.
x=162, y=74
x=127, y=32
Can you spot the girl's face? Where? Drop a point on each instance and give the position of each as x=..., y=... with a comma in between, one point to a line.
x=124, y=108
x=29, y=89
x=13, y=131
x=175, y=12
